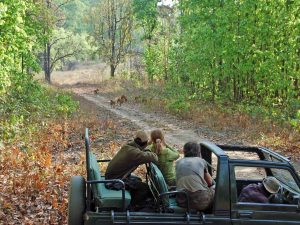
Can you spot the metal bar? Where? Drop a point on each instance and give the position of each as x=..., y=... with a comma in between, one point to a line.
x=238, y=148
x=275, y=154
x=112, y=216
x=213, y=148
x=155, y=218
x=242, y=162
x=254, y=150
x=87, y=153
x=103, y=160
x=88, y=176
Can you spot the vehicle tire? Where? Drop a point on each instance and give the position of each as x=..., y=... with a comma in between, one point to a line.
x=77, y=200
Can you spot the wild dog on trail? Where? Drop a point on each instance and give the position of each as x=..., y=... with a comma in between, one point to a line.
x=112, y=103
x=122, y=99
x=118, y=101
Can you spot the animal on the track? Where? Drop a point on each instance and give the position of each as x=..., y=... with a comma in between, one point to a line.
x=121, y=100
x=112, y=103
x=124, y=98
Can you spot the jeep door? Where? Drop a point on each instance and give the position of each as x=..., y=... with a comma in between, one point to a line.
x=249, y=213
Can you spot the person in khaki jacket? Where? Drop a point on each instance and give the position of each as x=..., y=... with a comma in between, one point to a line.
x=127, y=159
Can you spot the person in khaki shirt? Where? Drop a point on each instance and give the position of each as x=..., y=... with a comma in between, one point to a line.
x=192, y=176
x=127, y=159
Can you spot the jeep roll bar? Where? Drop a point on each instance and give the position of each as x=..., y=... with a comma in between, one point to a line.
x=88, y=176
x=87, y=154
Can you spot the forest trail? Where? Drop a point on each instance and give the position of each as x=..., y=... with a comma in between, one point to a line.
x=177, y=131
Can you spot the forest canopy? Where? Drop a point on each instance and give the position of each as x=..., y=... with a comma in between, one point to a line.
x=245, y=53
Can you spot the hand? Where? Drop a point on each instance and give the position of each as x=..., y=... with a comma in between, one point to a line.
x=158, y=146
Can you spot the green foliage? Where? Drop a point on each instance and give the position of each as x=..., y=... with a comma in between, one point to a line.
x=157, y=24
x=111, y=34
x=296, y=121
x=23, y=102
x=65, y=105
x=245, y=52
x=179, y=104
x=177, y=98
x=145, y=12
x=152, y=57
x=69, y=47
x=76, y=14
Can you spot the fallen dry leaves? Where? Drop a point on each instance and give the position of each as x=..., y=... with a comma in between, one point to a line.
x=34, y=180
x=34, y=184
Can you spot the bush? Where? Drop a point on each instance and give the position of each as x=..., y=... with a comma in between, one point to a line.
x=27, y=105
x=295, y=122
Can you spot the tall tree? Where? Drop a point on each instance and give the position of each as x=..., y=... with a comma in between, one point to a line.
x=239, y=50
x=145, y=12
x=53, y=19
x=21, y=37
x=112, y=26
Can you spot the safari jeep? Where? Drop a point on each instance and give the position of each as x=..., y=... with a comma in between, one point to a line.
x=232, y=168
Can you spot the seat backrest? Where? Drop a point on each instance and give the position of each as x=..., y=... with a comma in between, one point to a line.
x=105, y=198
x=159, y=182
x=95, y=174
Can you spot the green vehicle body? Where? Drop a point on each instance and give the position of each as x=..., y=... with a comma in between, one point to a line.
x=90, y=203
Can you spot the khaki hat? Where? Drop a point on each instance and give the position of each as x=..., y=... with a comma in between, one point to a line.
x=142, y=135
x=271, y=184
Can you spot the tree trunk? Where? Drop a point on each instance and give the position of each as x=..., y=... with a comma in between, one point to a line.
x=112, y=70
x=47, y=63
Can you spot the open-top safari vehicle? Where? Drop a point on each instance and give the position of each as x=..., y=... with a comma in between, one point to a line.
x=232, y=167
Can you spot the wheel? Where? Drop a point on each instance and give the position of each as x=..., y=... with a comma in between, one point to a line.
x=77, y=201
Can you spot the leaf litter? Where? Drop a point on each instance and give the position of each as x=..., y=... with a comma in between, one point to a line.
x=35, y=183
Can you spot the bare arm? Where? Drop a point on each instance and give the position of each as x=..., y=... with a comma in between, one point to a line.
x=208, y=179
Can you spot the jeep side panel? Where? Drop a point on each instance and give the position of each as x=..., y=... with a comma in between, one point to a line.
x=248, y=213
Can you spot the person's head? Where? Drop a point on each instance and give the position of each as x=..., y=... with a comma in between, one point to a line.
x=157, y=139
x=271, y=184
x=156, y=134
x=141, y=139
x=191, y=149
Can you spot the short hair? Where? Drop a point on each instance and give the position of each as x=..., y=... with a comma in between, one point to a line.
x=191, y=149
x=140, y=143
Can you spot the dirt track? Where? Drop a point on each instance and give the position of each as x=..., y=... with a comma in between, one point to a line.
x=177, y=131
x=83, y=81
x=175, y=134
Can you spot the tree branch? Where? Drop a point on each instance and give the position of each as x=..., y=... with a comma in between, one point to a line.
x=58, y=39
x=59, y=58
x=61, y=5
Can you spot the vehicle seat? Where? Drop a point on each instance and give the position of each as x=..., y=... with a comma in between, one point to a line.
x=105, y=198
x=158, y=183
